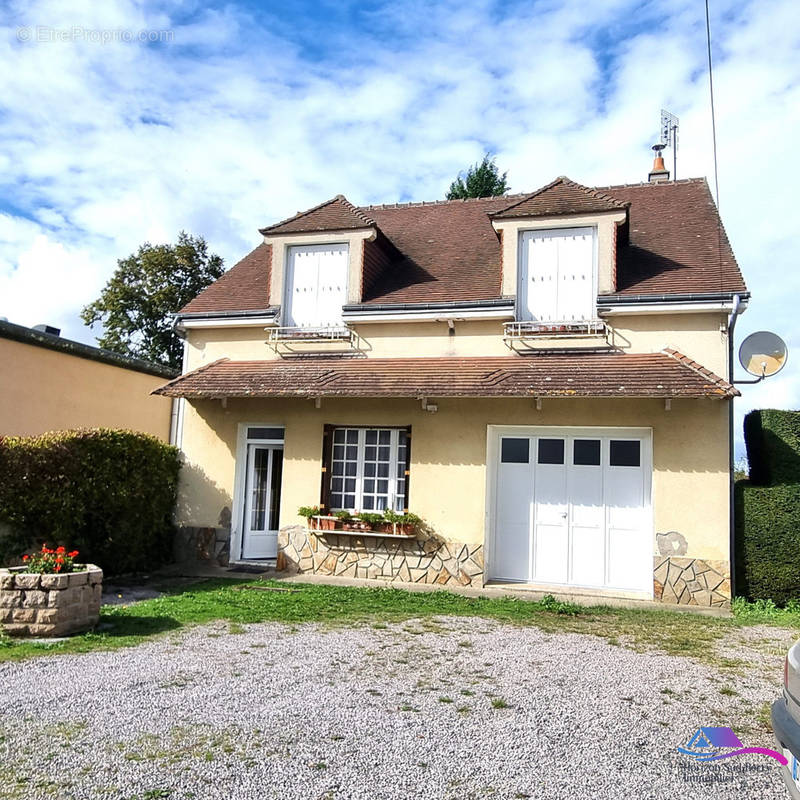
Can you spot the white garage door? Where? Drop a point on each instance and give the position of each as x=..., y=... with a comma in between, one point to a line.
x=573, y=508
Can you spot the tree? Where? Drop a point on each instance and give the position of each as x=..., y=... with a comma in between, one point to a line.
x=145, y=289
x=480, y=180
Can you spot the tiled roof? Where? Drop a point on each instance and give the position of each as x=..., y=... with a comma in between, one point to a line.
x=244, y=287
x=560, y=197
x=449, y=251
x=336, y=214
x=556, y=375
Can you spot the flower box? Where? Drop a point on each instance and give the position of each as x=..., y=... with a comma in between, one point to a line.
x=35, y=604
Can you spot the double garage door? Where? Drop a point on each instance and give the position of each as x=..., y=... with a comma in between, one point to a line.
x=572, y=508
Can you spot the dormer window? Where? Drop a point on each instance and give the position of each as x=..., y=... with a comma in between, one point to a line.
x=315, y=285
x=557, y=275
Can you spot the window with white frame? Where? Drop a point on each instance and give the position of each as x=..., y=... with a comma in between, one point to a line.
x=368, y=469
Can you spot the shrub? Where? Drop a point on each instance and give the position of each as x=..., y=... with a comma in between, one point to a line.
x=773, y=446
x=768, y=541
x=108, y=493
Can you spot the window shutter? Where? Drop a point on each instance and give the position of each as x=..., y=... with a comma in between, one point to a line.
x=327, y=460
x=408, y=467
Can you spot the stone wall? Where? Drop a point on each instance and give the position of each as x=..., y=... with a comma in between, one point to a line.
x=421, y=560
x=50, y=605
x=691, y=581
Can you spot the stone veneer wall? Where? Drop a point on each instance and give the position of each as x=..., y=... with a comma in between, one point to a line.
x=421, y=560
x=691, y=581
x=50, y=605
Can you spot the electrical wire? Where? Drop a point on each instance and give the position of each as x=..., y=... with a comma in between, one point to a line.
x=713, y=114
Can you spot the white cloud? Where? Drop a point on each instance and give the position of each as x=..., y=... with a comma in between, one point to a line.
x=244, y=119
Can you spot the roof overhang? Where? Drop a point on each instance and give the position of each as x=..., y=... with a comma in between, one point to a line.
x=723, y=302
x=668, y=374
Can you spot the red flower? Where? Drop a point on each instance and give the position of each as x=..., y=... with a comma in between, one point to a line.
x=25, y=558
x=61, y=549
x=73, y=554
x=58, y=568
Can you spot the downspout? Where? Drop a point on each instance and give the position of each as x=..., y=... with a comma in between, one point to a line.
x=737, y=303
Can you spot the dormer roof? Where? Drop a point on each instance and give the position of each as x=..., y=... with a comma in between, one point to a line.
x=336, y=214
x=561, y=197
x=449, y=251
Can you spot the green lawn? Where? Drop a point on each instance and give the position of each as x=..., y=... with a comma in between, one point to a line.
x=241, y=602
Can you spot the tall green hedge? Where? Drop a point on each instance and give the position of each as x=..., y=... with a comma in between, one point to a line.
x=772, y=438
x=768, y=541
x=108, y=493
x=768, y=508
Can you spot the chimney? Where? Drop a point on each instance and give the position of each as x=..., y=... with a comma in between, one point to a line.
x=659, y=173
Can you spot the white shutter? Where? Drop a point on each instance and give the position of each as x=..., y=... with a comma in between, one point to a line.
x=539, y=276
x=332, y=283
x=316, y=285
x=575, y=275
x=556, y=281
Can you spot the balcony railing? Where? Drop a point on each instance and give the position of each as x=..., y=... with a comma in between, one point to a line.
x=555, y=329
x=293, y=341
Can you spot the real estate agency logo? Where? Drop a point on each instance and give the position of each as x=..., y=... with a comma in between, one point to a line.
x=709, y=745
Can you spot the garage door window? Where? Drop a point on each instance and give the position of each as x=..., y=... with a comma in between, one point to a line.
x=551, y=451
x=515, y=451
x=586, y=452
x=624, y=453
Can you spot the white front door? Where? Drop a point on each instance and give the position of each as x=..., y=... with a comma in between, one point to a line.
x=573, y=509
x=556, y=275
x=316, y=285
x=262, y=501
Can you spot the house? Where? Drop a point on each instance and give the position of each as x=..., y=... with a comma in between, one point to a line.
x=48, y=383
x=540, y=377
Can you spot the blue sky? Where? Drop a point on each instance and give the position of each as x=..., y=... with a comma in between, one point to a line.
x=249, y=111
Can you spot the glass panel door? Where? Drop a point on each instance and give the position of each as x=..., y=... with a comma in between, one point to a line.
x=262, y=501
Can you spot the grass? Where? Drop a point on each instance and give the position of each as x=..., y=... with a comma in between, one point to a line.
x=677, y=633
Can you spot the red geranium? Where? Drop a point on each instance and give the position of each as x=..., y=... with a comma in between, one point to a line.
x=49, y=560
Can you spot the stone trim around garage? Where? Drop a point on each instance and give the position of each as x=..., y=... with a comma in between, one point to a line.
x=423, y=560
x=691, y=581
x=32, y=604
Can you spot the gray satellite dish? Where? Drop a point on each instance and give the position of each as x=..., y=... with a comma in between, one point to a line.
x=763, y=354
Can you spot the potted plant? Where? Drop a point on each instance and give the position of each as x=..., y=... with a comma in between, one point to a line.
x=342, y=519
x=402, y=524
x=372, y=519
x=50, y=595
x=326, y=523
x=309, y=512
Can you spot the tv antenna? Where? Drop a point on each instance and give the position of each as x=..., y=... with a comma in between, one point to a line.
x=669, y=138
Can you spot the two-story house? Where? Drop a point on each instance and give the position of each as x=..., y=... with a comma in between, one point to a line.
x=537, y=376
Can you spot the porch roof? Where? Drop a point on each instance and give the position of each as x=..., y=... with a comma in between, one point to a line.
x=664, y=374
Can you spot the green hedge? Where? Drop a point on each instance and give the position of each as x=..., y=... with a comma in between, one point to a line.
x=108, y=493
x=773, y=446
x=768, y=541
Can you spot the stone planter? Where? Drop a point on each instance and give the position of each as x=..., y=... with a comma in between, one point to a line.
x=50, y=605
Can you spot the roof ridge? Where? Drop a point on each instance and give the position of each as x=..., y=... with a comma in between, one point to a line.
x=651, y=183
x=704, y=372
x=587, y=190
x=420, y=203
x=300, y=214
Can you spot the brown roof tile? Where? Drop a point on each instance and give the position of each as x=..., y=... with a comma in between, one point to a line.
x=556, y=375
x=336, y=214
x=244, y=287
x=560, y=197
x=449, y=251
x=677, y=241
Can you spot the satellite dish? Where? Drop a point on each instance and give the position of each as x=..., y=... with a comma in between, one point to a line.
x=763, y=354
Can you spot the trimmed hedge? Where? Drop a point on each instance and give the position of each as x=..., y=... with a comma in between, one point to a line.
x=773, y=446
x=768, y=541
x=108, y=493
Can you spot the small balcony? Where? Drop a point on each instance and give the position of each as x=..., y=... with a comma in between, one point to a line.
x=314, y=341
x=571, y=334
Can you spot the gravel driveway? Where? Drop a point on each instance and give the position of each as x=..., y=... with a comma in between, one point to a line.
x=456, y=708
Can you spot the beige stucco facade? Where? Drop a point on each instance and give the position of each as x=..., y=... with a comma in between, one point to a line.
x=449, y=453
x=44, y=389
